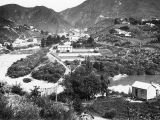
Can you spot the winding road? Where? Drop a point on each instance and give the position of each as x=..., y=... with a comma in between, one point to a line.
x=52, y=58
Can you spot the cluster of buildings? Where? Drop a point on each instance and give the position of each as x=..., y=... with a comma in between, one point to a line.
x=21, y=42
x=65, y=50
x=122, y=32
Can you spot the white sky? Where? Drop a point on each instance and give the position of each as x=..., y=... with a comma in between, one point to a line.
x=57, y=5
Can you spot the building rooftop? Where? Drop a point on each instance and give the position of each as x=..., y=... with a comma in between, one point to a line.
x=141, y=85
x=64, y=46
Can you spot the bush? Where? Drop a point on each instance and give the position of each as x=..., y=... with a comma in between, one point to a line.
x=95, y=51
x=16, y=89
x=67, y=62
x=50, y=72
x=2, y=84
x=110, y=114
x=30, y=45
x=40, y=101
x=6, y=112
x=35, y=92
x=23, y=109
x=27, y=80
x=54, y=111
x=78, y=107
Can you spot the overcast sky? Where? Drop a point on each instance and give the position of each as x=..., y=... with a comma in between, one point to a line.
x=57, y=5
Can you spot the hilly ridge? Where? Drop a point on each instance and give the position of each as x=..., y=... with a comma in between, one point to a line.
x=10, y=31
x=91, y=11
x=40, y=17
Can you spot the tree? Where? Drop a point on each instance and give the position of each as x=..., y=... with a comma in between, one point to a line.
x=104, y=84
x=83, y=87
x=9, y=47
x=88, y=65
x=49, y=40
x=63, y=37
x=35, y=92
x=83, y=83
x=90, y=40
x=96, y=66
x=43, y=42
x=117, y=21
x=58, y=38
x=101, y=66
x=92, y=85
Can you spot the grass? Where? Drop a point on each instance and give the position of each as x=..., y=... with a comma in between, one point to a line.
x=124, y=109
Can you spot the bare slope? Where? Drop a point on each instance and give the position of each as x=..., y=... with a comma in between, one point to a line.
x=91, y=11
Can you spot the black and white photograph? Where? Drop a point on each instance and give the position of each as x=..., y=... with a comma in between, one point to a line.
x=79, y=59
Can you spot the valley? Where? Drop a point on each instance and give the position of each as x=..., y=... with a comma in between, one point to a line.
x=85, y=59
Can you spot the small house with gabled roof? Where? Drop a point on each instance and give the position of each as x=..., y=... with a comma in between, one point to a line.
x=146, y=91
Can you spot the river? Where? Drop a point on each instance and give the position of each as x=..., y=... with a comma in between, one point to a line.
x=123, y=84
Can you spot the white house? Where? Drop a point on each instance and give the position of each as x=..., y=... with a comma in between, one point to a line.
x=35, y=40
x=123, y=32
x=19, y=42
x=1, y=45
x=65, y=48
x=67, y=43
x=144, y=90
x=64, y=33
x=73, y=38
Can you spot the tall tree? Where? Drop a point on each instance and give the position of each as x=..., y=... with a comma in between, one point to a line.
x=43, y=42
x=104, y=84
x=90, y=40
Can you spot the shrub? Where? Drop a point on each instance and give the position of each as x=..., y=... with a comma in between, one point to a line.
x=27, y=80
x=16, y=89
x=23, y=109
x=78, y=107
x=6, y=88
x=5, y=111
x=110, y=114
x=2, y=84
x=67, y=62
x=95, y=51
x=35, y=92
x=30, y=45
x=50, y=72
x=76, y=62
x=44, y=59
x=54, y=111
x=39, y=101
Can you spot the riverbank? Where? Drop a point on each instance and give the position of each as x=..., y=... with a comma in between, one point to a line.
x=123, y=83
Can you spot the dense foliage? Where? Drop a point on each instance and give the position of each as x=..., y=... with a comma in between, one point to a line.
x=15, y=107
x=24, y=66
x=16, y=89
x=121, y=109
x=5, y=110
x=131, y=63
x=83, y=42
x=51, y=40
x=27, y=80
x=84, y=82
x=50, y=72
